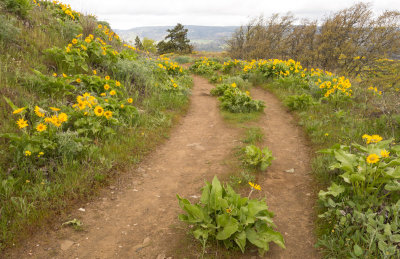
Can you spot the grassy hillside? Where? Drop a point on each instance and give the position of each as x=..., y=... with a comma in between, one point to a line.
x=77, y=105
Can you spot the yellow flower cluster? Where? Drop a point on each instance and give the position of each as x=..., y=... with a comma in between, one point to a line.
x=56, y=120
x=66, y=8
x=375, y=90
x=372, y=139
x=336, y=84
x=87, y=102
x=107, y=31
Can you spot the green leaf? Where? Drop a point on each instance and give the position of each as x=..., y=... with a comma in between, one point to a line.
x=347, y=160
x=395, y=238
x=333, y=190
x=357, y=250
x=205, y=196
x=230, y=226
x=393, y=186
x=240, y=239
x=215, y=194
x=9, y=102
x=357, y=178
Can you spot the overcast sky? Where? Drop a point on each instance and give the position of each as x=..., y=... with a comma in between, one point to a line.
x=126, y=14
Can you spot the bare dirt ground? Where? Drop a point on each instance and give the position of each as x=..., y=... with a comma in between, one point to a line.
x=137, y=218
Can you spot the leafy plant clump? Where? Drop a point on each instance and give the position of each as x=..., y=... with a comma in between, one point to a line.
x=236, y=101
x=362, y=210
x=224, y=215
x=299, y=102
x=257, y=158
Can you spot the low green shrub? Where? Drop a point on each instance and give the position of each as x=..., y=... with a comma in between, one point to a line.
x=299, y=102
x=257, y=158
x=224, y=215
x=236, y=101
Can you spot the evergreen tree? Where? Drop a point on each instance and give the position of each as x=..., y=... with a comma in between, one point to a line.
x=138, y=43
x=175, y=41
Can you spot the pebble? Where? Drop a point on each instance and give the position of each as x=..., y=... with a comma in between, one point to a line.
x=82, y=209
x=290, y=171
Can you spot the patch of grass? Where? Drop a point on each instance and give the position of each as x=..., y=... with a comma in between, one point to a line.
x=253, y=135
x=240, y=118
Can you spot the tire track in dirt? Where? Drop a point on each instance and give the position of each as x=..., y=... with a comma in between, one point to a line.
x=138, y=217
x=289, y=194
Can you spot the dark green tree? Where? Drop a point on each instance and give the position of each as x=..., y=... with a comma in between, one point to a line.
x=175, y=41
x=138, y=43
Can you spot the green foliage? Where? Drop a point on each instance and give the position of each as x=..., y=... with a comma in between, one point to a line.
x=236, y=101
x=224, y=215
x=256, y=158
x=175, y=41
x=220, y=89
x=149, y=45
x=205, y=66
x=19, y=7
x=299, y=102
x=8, y=32
x=253, y=136
x=364, y=206
x=241, y=179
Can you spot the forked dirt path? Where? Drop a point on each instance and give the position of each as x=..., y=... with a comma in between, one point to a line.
x=138, y=217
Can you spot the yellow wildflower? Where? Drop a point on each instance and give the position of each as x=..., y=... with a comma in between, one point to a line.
x=113, y=93
x=19, y=110
x=385, y=153
x=28, y=153
x=98, y=110
x=107, y=78
x=78, y=80
x=130, y=100
x=108, y=114
x=54, y=109
x=41, y=127
x=117, y=83
x=94, y=72
x=62, y=117
x=22, y=123
x=39, y=112
x=106, y=87
x=372, y=158
x=74, y=41
x=255, y=186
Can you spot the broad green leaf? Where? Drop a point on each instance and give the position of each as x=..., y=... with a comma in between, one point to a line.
x=347, y=160
x=201, y=234
x=215, y=194
x=333, y=190
x=393, y=186
x=205, y=196
x=393, y=172
x=357, y=250
x=395, y=238
x=240, y=239
x=230, y=226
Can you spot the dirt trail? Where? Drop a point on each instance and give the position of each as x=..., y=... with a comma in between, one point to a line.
x=138, y=218
x=289, y=192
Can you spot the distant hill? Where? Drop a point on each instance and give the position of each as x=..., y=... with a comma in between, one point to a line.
x=208, y=38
